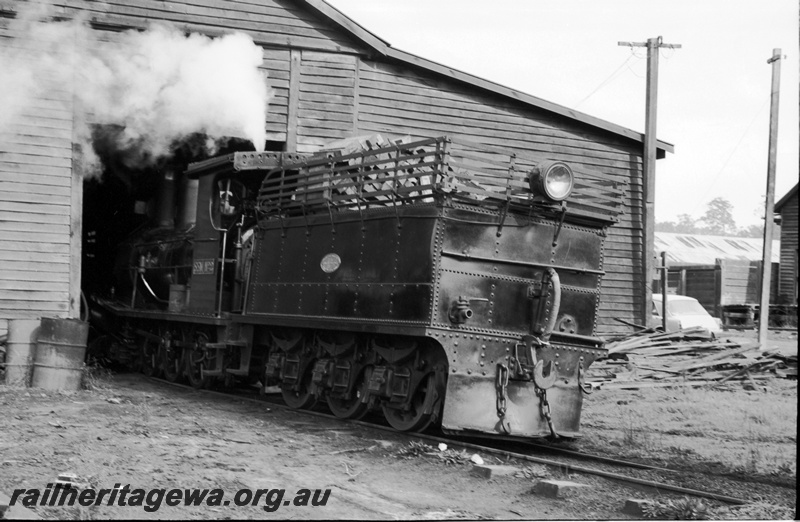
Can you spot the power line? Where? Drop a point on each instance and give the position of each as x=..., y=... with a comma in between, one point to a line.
x=735, y=148
x=610, y=77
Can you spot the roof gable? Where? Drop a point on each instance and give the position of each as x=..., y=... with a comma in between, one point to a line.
x=787, y=198
x=384, y=49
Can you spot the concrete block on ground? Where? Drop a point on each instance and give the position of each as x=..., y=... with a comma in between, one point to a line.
x=557, y=488
x=635, y=506
x=15, y=512
x=488, y=471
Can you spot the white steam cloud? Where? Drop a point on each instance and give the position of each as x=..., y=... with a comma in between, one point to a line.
x=159, y=84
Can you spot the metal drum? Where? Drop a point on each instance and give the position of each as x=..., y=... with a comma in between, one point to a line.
x=20, y=350
x=60, y=352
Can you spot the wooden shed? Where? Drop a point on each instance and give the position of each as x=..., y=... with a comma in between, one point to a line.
x=786, y=207
x=718, y=271
x=331, y=79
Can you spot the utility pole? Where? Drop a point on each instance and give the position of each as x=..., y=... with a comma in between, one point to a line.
x=664, y=268
x=649, y=179
x=766, y=255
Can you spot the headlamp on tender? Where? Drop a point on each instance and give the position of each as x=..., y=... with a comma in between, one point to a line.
x=552, y=179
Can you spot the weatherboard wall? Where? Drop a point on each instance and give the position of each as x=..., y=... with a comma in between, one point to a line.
x=395, y=100
x=39, y=212
x=325, y=84
x=271, y=23
x=789, y=249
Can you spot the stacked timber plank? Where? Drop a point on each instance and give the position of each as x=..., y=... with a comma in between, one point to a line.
x=693, y=357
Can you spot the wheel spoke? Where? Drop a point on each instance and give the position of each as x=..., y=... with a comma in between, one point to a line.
x=150, y=359
x=172, y=368
x=194, y=369
x=194, y=360
x=172, y=362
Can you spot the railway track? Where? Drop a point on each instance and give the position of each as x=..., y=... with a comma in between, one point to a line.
x=650, y=477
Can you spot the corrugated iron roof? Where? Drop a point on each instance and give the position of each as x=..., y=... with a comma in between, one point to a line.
x=695, y=249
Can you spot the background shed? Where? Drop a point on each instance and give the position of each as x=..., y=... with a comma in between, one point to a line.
x=788, y=273
x=330, y=79
x=718, y=271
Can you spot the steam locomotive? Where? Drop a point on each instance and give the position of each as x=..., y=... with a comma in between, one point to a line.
x=435, y=280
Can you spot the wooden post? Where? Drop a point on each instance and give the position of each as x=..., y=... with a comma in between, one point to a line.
x=664, y=289
x=718, y=290
x=649, y=175
x=76, y=191
x=766, y=257
x=294, y=100
x=649, y=178
x=356, y=96
x=682, y=284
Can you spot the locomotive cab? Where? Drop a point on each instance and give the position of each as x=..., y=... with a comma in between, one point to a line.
x=224, y=232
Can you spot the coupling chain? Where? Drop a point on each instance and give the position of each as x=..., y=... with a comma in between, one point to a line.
x=544, y=406
x=501, y=385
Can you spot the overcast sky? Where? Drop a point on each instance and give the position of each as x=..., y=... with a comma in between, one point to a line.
x=714, y=92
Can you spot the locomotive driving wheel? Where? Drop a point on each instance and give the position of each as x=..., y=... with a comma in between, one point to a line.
x=171, y=358
x=351, y=408
x=195, y=362
x=149, y=357
x=415, y=418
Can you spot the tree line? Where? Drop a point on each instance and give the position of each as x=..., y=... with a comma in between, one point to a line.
x=717, y=221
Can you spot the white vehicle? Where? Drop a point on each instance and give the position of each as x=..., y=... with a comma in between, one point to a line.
x=684, y=312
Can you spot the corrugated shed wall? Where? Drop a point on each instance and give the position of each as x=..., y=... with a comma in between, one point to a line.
x=787, y=285
x=36, y=195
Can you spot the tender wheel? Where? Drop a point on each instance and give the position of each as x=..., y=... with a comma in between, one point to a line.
x=301, y=399
x=194, y=369
x=150, y=359
x=351, y=408
x=414, y=419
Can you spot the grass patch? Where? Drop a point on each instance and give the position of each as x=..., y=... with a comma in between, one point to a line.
x=95, y=377
x=731, y=430
x=759, y=510
x=685, y=508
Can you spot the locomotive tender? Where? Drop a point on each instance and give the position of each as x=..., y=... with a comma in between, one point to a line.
x=436, y=280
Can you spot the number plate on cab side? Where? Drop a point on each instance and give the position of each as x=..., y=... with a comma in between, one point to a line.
x=203, y=267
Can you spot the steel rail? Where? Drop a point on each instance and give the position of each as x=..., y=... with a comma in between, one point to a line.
x=486, y=449
x=598, y=458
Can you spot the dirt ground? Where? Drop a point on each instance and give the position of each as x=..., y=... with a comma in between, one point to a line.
x=151, y=435
x=130, y=430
